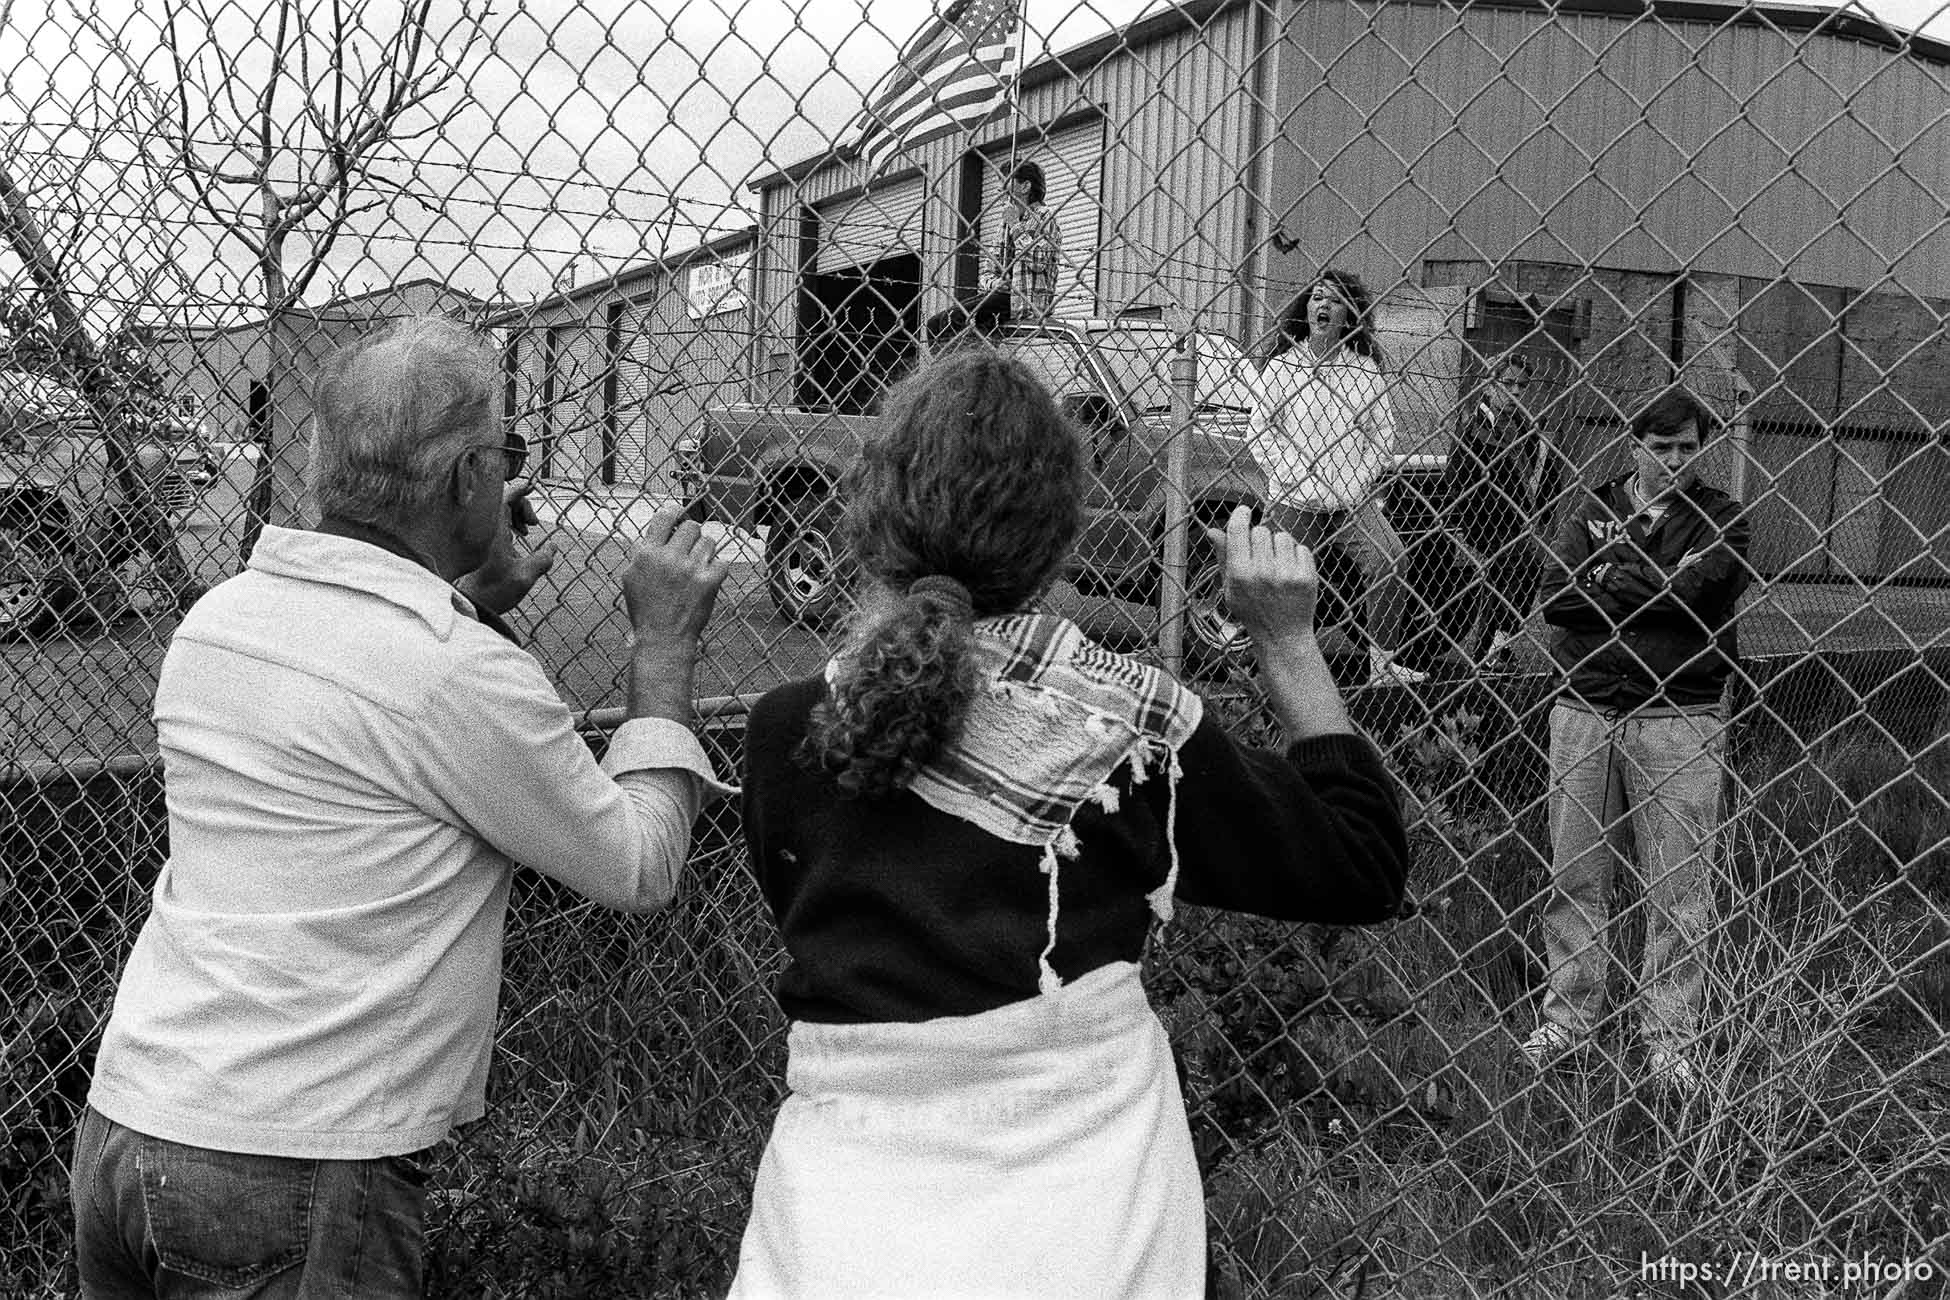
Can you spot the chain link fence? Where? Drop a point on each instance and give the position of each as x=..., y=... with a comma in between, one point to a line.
x=702, y=279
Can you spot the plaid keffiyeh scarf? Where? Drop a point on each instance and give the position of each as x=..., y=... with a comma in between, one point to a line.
x=1053, y=717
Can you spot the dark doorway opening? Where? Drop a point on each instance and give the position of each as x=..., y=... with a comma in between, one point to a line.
x=1550, y=336
x=857, y=334
x=612, y=387
x=257, y=412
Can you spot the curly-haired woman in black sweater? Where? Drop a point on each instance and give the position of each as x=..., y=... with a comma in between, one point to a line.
x=965, y=829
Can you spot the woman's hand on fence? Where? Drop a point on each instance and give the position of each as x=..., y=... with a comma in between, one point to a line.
x=1272, y=588
x=1271, y=584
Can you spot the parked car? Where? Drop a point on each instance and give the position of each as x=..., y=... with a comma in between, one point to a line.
x=777, y=468
x=193, y=450
x=66, y=527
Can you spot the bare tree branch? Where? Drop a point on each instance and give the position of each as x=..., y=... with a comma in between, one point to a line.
x=322, y=245
x=203, y=180
x=339, y=46
x=352, y=98
x=398, y=83
x=161, y=110
x=23, y=234
x=268, y=98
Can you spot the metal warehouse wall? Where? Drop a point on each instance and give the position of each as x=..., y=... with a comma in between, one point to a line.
x=555, y=359
x=1781, y=249
x=620, y=368
x=581, y=362
x=218, y=366
x=672, y=367
x=1409, y=131
x=1177, y=97
x=1178, y=187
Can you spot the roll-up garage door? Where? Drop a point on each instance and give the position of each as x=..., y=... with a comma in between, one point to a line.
x=640, y=370
x=678, y=366
x=884, y=222
x=579, y=366
x=1072, y=163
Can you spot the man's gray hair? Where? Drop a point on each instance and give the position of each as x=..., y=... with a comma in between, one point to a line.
x=392, y=412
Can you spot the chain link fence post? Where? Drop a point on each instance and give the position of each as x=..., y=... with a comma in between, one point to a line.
x=1177, y=496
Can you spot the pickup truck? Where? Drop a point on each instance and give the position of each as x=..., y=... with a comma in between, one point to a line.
x=776, y=469
x=65, y=531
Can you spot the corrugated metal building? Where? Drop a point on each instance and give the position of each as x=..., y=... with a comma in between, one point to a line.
x=1147, y=138
x=1745, y=196
x=1707, y=189
x=224, y=368
x=604, y=379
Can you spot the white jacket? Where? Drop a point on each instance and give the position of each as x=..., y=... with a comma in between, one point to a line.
x=1323, y=431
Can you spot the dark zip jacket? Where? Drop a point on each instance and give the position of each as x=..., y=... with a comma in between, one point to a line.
x=1502, y=476
x=1646, y=614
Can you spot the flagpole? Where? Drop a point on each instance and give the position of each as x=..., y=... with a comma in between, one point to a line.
x=1012, y=115
x=1013, y=92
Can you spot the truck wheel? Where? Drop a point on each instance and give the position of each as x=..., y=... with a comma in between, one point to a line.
x=805, y=568
x=32, y=590
x=1214, y=642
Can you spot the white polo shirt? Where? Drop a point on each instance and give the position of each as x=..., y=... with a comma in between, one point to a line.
x=352, y=764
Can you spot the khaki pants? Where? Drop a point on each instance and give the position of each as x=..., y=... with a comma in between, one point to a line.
x=1663, y=769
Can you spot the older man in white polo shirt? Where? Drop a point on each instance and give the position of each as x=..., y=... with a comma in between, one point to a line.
x=355, y=755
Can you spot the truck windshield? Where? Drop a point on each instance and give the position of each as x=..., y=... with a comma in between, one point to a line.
x=1056, y=359
x=1140, y=363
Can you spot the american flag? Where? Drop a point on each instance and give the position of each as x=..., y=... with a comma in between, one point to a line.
x=948, y=79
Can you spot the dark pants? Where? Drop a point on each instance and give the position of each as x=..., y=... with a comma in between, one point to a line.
x=174, y=1222
x=1358, y=556
x=1470, y=595
x=1510, y=577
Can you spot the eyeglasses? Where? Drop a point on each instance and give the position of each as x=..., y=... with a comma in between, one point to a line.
x=515, y=451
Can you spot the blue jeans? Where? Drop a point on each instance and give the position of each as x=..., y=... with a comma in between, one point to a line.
x=161, y=1220
x=1662, y=770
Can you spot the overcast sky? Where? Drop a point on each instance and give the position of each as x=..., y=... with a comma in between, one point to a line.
x=602, y=136
x=601, y=133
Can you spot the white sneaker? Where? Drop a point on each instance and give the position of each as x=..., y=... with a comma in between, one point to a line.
x=1384, y=671
x=1671, y=1072
x=1548, y=1042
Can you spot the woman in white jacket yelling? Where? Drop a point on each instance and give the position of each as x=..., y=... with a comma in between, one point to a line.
x=1324, y=432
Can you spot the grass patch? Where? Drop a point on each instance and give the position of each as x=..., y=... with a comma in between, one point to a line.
x=1362, y=1116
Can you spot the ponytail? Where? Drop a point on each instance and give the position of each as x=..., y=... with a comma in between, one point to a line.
x=962, y=506
x=905, y=692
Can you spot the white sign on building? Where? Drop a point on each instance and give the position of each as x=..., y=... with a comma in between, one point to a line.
x=718, y=287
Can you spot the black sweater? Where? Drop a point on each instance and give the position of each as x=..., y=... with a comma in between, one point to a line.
x=894, y=911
